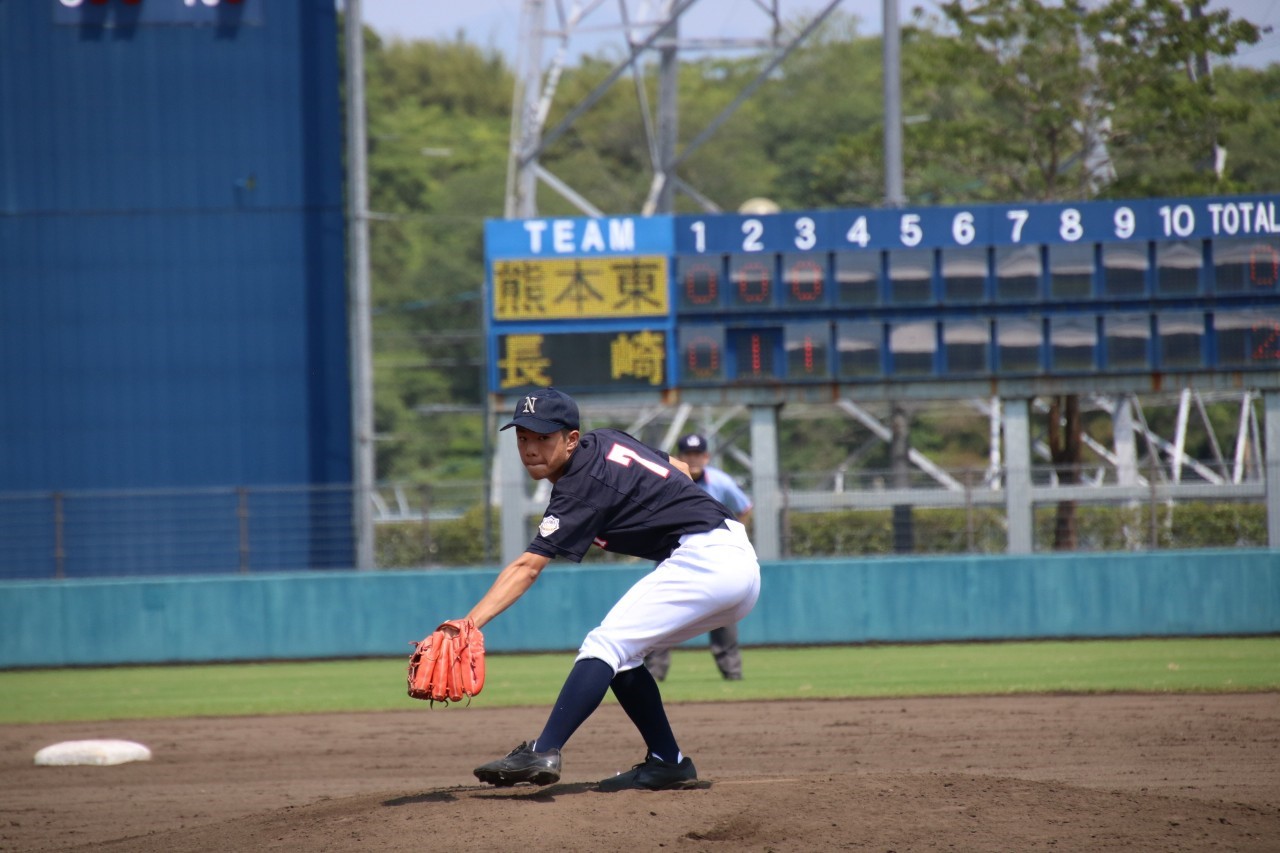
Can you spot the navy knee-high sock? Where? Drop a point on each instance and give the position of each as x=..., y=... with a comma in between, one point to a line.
x=639, y=696
x=581, y=695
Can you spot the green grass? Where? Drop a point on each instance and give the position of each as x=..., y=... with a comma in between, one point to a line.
x=1151, y=665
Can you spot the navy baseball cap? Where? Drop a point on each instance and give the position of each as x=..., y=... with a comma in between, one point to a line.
x=692, y=443
x=545, y=411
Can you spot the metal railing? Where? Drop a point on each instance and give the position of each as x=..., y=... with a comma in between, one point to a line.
x=1099, y=509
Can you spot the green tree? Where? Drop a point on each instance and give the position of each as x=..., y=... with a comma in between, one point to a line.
x=1167, y=117
x=1060, y=101
x=1249, y=140
x=1064, y=101
x=827, y=92
x=438, y=116
x=735, y=163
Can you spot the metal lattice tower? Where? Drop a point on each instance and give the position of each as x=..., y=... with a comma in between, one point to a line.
x=647, y=30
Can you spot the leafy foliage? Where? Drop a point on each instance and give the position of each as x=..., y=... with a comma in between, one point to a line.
x=458, y=542
x=843, y=533
x=438, y=128
x=1064, y=101
x=1004, y=100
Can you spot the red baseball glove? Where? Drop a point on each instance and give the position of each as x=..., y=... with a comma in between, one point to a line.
x=448, y=664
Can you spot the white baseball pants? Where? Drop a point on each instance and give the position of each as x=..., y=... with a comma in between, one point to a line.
x=711, y=579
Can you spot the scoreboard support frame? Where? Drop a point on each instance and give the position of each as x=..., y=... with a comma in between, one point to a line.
x=1271, y=462
x=1018, y=500
x=1017, y=450
x=766, y=513
x=1002, y=302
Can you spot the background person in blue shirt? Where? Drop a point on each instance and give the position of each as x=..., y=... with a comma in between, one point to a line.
x=695, y=452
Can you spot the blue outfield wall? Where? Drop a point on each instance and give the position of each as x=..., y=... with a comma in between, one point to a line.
x=172, y=275
x=352, y=614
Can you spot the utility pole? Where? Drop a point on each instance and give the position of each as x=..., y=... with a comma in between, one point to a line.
x=895, y=196
x=358, y=311
x=894, y=193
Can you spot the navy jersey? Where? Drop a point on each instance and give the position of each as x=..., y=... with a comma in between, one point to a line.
x=625, y=497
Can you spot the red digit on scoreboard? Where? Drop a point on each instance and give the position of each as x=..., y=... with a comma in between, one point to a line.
x=702, y=358
x=754, y=283
x=1267, y=336
x=701, y=285
x=804, y=277
x=1264, y=266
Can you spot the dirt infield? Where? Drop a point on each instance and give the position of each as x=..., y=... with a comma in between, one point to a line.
x=1159, y=773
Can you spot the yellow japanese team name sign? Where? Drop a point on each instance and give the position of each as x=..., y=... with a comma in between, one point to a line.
x=614, y=360
x=580, y=288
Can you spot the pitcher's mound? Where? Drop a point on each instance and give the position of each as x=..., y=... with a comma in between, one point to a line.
x=92, y=752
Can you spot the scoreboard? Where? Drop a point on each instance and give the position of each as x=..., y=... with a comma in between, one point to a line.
x=861, y=297
x=130, y=13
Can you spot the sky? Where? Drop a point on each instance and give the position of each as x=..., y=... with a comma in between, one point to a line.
x=496, y=23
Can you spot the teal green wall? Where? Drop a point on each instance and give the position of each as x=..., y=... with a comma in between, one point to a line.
x=352, y=614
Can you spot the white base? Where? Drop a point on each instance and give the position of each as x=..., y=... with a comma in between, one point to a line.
x=101, y=752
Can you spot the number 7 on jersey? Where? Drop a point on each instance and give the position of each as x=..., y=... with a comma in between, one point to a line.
x=624, y=456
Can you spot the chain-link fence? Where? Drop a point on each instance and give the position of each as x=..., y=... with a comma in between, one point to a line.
x=81, y=534
x=85, y=534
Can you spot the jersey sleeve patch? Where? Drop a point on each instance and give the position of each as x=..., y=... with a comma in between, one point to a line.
x=550, y=524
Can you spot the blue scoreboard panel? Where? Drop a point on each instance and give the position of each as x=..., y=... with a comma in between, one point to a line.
x=128, y=13
x=876, y=296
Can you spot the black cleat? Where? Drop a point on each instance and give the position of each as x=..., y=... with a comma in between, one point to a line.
x=653, y=774
x=522, y=764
